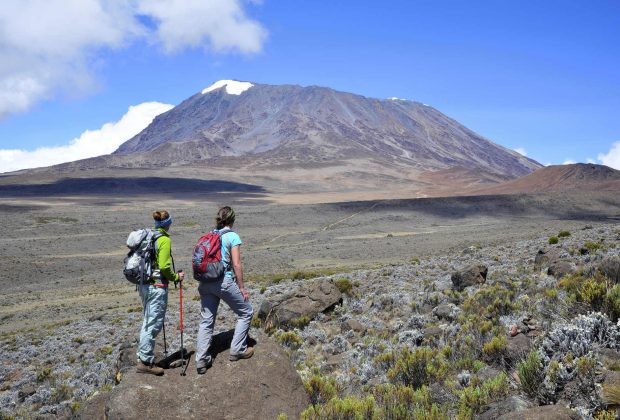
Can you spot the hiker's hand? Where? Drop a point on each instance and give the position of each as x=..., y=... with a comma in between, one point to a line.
x=244, y=293
x=181, y=276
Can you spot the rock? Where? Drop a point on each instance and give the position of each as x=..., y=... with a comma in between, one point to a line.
x=261, y=387
x=612, y=378
x=545, y=257
x=559, y=269
x=447, y=311
x=432, y=334
x=475, y=274
x=514, y=330
x=311, y=298
x=517, y=347
x=25, y=392
x=512, y=404
x=545, y=412
x=610, y=358
x=487, y=372
x=610, y=268
x=353, y=325
x=464, y=377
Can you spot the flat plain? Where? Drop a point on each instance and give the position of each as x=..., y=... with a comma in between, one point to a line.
x=62, y=257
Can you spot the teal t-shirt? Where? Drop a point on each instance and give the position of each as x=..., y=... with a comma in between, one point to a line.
x=229, y=240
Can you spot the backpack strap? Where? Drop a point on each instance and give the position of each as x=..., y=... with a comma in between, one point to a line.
x=227, y=267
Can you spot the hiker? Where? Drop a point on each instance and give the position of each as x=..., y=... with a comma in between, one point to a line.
x=229, y=288
x=154, y=295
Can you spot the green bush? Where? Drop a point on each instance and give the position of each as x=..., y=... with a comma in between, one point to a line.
x=344, y=285
x=563, y=234
x=61, y=393
x=553, y=240
x=530, y=374
x=321, y=389
x=398, y=400
x=593, y=246
x=290, y=339
x=44, y=374
x=342, y=409
x=474, y=399
x=417, y=368
x=612, y=302
x=495, y=348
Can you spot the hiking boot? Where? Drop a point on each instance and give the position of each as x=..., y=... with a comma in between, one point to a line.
x=203, y=365
x=245, y=355
x=149, y=368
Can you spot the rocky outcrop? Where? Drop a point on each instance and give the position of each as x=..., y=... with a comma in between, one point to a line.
x=261, y=387
x=473, y=275
x=552, y=261
x=299, y=307
x=546, y=412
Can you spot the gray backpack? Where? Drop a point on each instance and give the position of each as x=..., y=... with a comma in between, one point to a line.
x=142, y=246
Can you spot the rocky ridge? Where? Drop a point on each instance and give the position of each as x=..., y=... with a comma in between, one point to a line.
x=518, y=339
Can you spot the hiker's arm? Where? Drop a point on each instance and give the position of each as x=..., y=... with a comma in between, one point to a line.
x=164, y=259
x=235, y=253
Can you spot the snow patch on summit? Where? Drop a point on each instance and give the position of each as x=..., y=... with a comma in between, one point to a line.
x=233, y=87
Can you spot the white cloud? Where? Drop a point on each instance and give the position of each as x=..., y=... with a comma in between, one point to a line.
x=590, y=160
x=612, y=157
x=90, y=144
x=521, y=151
x=217, y=24
x=49, y=47
x=569, y=162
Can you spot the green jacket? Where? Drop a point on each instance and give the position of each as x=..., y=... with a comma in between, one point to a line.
x=163, y=270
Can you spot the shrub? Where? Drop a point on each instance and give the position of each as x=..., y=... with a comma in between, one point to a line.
x=417, y=368
x=593, y=293
x=553, y=240
x=495, y=348
x=342, y=409
x=61, y=393
x=398, y=400
x=563, y=234
x=44, y=374
x=290, y=339
x=344, y=285
x=474, y=399
x=300, y=322
x=321, y=389
x=530, y=374
x=612, y=302
x=605, y=415
x=593, y=246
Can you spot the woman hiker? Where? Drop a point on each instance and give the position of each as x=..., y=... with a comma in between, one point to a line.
x=154, y=295
x=230, y=289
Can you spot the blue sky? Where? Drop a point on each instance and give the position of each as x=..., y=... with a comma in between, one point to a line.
x=541, y=77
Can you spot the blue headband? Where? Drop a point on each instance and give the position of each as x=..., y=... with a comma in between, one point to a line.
x=163, y=223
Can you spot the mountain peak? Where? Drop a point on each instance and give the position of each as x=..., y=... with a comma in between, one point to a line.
x=233, y=87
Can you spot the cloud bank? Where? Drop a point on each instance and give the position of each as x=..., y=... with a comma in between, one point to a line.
x=50, y=47
x=612, y=157
x=90, y=143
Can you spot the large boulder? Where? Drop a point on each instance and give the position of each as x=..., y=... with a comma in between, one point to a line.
x=545, y=412
x=263, y=386
x=552, y=261
x=610, y=267
x=296, y=308
x=473, y=275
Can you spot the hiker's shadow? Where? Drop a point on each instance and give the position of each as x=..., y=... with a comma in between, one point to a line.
x=222, y=341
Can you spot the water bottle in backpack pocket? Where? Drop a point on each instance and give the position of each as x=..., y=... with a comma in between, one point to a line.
x=207, y=261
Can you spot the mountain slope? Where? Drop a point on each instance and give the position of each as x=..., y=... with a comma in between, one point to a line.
x=559, y=178
x=280, y=125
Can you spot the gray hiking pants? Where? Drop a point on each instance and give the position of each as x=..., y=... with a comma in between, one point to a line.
x=154, y=302
x=210, y=295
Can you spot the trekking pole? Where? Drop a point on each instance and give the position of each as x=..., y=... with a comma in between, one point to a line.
x=165, y=345
x=184, y=365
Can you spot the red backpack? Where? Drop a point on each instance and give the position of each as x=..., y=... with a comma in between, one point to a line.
x=207, y=261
